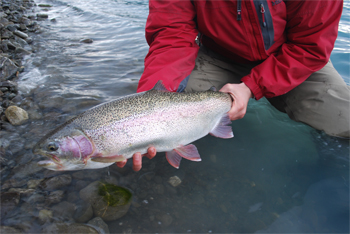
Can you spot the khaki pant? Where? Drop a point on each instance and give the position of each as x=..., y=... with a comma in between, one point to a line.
x=322, y=101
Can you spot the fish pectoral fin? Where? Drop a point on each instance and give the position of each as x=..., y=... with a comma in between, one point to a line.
x=189, y=152
x=110, y=159
x=222, y=130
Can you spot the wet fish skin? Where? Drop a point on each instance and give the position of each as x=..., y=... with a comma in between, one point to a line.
x=114, y=131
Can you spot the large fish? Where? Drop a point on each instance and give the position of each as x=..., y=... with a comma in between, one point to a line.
x=114, y=131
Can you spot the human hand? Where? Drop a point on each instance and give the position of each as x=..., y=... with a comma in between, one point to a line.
x=137, y=159
x=240, y=94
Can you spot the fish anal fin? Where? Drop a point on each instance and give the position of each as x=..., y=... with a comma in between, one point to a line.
x=159, y=86
x=109, y=159
x=189, y=152
x=222, y=130
x=173, y=158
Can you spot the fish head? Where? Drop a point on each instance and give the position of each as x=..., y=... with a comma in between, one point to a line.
x=67, y=149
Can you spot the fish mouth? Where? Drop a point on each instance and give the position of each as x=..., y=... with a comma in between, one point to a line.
x=53, y=158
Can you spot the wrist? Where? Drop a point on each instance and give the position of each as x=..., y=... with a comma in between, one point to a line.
x=247, y=90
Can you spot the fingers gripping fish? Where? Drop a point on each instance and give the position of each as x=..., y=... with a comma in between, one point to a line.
x=114, y=131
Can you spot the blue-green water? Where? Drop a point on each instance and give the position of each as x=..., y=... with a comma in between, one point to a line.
x=274, y=176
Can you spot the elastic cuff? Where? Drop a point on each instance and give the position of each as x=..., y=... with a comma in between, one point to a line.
x=248, y=81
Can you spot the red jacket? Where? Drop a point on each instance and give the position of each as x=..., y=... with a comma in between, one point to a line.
x=292, y=38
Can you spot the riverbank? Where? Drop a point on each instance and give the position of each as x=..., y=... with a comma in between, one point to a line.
x=18, y=21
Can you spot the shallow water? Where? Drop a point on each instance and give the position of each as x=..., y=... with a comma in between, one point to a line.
x=275, y=175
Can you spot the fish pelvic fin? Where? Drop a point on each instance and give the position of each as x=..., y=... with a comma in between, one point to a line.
x=189, y=152
x=110, y=159
x=222, y=130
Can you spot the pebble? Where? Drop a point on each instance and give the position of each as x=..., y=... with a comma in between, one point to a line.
x=99, y=224
x=84, y=212
x=56, y=182
x=174, y=181
x=45, y=215
x=20, y=34
x=87, y=41
x=55, y=197
x=16, y=115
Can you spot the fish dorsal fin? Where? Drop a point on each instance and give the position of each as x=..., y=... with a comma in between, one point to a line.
x=160, y=86
x=212, y=88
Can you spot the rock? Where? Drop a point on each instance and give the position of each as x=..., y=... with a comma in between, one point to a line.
x=110, y=203
x=89, y=193
x=7, y=229
x=69, y=228
x=55, y=197
x=23, y=171
x=64, y=210
x=174, y=181
x=83, y=213
x=43, y=16
x=81, y=175
x=44, y=5
x=20, y=34
x=87, y=41
x=33, y=184
x=22, y=191
x=159, y=189
x=35, y=198
x=45, y=215
x=164, y=219
x=9, y=200
x=16, y=115
x=56, y=182
x=7, y=69
x=20, y=50
x=99, y=224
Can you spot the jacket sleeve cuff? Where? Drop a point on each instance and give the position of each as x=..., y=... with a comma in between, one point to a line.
x=256, y=90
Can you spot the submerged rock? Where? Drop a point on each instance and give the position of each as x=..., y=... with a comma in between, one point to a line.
x=174, y=181
x=108, y=201
x=99, y=225
x=70, y=228
x=56, y=182
x=84, y=212
x=7, y=229
x=16, y=115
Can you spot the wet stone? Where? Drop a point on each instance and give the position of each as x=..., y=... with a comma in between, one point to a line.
x=9, y=201
x=86, y=41
x=55, y=197
x=83, y=213
x=99, y=224
x=23, y=171
x=56, y=182
x=174, y=181
x=8, y=70
x=69, y=228
x=22, y=191
x=16, y=115
x=20, y=34
x=164, y=219
x=33, y=184
x=45, y=215
x=64, y=210
x=7, y=229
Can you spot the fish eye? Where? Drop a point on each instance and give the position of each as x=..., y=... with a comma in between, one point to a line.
x=52, y=146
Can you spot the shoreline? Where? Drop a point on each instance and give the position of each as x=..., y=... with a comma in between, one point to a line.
x=18, y=22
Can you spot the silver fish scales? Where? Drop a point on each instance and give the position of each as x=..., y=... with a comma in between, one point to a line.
x=114, y=131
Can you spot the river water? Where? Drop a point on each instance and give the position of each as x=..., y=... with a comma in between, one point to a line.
x=274, y=176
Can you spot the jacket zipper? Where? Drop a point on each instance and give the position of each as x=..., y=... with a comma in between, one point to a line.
x=262, y=10
x=239, y=8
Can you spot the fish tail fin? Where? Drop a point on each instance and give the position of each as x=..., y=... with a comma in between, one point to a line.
x=222, y=130
x=189, y=152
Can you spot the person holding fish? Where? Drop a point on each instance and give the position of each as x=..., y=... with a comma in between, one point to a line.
x=250, y=49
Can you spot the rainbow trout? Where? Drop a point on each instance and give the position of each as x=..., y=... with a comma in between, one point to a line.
x=114, y=131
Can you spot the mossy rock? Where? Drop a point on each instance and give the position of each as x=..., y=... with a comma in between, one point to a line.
x=111, y=201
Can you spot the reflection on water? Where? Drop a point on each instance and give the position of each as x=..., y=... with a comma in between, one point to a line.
x=274, y=176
